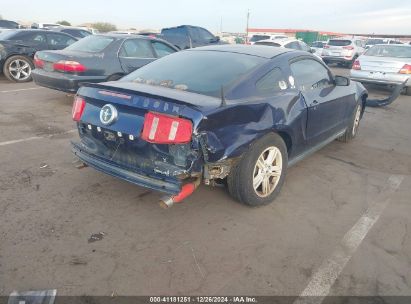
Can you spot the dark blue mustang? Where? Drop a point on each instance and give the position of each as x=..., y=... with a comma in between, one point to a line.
x=238, y=115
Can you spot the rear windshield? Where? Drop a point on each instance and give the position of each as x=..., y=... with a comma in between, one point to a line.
x=374, y=41
x=389, y=51
x=339, y=42
x=259, y=37
x=91, y=44
x=202, y=72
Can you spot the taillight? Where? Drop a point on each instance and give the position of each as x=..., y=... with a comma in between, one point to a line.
x=69, y=66
x=38, y=63
x=406, y=69
x=326, y=46
x=164, y=129
x=356, y=65
x=78, y=108
x=349, y=47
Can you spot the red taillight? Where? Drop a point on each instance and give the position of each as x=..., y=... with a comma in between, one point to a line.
x=38, y=63
x=164, y=129
x=69, y=66
x=78, y=108
x=406, y=69
x=350, y=47
x=356, y=65
x=326, y=46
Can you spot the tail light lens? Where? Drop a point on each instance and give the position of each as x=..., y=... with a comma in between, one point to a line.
x=164, y=129
x=69, y=66
x=78, y=108
x=356, y=65
x=326, y=46
x=406, y=69
x=38, y=63
x=349, y=47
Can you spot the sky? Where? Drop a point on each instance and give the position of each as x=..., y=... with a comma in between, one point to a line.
x=346, y=16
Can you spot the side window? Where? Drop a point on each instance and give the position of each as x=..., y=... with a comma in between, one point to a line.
x=304, y=47
x=310, y=74
x=293, y=45
x=34, y=38
x=60, y=40
x=137, y=48
x=201, y=34
x=162, y=49
x=272, y=82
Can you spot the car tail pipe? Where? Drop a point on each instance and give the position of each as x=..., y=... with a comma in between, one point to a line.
x=186, y=191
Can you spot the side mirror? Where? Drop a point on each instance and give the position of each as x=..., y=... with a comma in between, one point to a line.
x=215, y=39
x=341, y=81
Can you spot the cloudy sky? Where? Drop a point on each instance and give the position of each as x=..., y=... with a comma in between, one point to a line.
x=349, y=16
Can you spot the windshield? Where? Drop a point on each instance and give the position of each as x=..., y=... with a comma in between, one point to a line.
x=374, y=41
x=202, y=72
x=339, y=42
x=7, y=34
x=91, y=44
x=259, y=37
x=389, y=51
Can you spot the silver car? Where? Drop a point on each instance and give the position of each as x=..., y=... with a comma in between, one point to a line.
x=343, y=51
x=386, y=64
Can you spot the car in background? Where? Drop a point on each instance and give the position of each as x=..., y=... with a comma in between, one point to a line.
x=188, y=36
x=73, y=31
x=231, y=113
x=44, y=25
x=343, y=51
x=373, y=41
x=7, y=24
x=17, y=49
x=318, y=47
x=97, y=58
x=259, y=37
x=385, y=64
x=288, y=43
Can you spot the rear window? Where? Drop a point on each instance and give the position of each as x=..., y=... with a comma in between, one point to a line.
x=91, y=44
x=339, y=42
x=389, y=51
x=202, y=72
x=259, y=37
x=374, y=41
x=267, y=43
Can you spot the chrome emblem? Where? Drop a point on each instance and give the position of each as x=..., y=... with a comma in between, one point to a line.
x=108, y=114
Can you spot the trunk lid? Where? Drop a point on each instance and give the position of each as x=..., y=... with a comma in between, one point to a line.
x=382, y=64
x=51, y=57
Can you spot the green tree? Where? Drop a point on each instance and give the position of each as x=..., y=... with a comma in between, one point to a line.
x=64, y=22
x=104, y=27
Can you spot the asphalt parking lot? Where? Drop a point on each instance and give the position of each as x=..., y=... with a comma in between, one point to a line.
x=341, y=225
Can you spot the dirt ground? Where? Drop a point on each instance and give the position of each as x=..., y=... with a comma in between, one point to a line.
x=210, y=244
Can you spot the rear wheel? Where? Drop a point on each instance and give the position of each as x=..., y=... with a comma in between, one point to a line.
x=258, y=177
x=18, y=69
x=352, y=128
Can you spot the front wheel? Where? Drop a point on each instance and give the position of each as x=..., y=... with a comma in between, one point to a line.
x=258, y=177
x=353, y=126
x=18, y=69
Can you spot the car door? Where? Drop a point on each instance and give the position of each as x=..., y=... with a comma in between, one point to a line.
x=59, y=41
x=135, y=53
x=326, y=103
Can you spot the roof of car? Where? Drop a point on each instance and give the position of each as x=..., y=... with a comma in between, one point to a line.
x=253, y=50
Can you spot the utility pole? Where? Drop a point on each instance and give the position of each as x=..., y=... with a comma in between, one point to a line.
x=248, y=19
x=221, y=24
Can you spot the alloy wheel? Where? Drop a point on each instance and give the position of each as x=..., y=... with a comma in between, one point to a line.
x=19, y=69
x=356, y=120
x=267, y=171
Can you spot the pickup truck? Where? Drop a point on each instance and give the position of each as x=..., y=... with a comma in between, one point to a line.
x=188, y=36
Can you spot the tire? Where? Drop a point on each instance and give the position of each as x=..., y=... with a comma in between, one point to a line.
x=353, y=126
x=246, y=172
x=114, y=77
x=18, y=68
x=407, y=91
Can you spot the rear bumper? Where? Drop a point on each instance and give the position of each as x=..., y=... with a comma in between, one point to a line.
x=62, y=82
x=334, y=59
x=380, y=78
x=125, y=173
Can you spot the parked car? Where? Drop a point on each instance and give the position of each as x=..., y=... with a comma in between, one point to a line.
x=7, y=24
x=318, y=47
x=343, y=51
x=44, y=25
x=97, y=58
x=237, y=113
x=188, y=36
x=259, y=37
x=387, y=64
x=73, y=31
x=17, y=49
x=288, y=43
x=373, y=41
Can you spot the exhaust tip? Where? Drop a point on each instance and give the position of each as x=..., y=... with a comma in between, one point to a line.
x=166, y=202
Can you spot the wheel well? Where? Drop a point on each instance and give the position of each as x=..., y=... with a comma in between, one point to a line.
x=363, y=100
x=287, y=140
